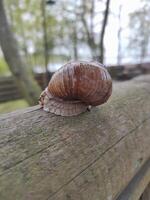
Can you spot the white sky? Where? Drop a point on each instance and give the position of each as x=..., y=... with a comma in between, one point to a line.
x=111, y=41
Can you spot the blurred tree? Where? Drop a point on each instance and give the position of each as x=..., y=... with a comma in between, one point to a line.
x=14, y=15
x=139, y=31
x=25, y=19
x=75, y=29
x=87, y=13
x=69, y=28
x=96, y=44
x=75, y=33
x=104, y=23
x=25, y=81
x=119, y=54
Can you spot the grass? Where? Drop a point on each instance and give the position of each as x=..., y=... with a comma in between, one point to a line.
x=12, y=106
x=4, y=70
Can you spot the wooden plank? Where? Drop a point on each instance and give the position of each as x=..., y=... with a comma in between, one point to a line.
x=8, y=89
x=10, y=98
x=137, y=185
x=8, y=86
x=6, y=78
x=146, y=194
x=9, y=92
x=92, y=156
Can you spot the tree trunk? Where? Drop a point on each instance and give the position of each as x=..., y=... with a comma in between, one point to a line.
x=45, y=41
x=75, y=41
x=119, y=54
x=75, y=34
x=106, y=13
x=88, y=157
x=27, y=85
x=89, y=31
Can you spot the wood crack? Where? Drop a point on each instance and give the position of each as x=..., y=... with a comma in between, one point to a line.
x=94, y=161
x=28, y=157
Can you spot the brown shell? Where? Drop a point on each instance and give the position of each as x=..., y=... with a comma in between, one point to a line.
x=88, y=82
x=75, y=86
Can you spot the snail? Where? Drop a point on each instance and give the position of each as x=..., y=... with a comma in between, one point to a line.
x=76, y=87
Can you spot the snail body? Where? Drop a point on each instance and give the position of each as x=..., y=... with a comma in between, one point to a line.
x=75, y=87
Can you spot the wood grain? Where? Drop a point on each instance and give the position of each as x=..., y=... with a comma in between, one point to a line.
x=146, y=193
x=89, y=157
x=135, y=189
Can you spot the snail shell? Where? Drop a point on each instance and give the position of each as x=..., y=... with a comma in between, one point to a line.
x=75, y=87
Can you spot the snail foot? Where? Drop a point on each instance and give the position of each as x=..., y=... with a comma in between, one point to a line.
x=61, y=107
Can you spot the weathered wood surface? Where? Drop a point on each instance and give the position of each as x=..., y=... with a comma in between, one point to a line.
x=146, y=193
x=93, y=156
x=137, y=185
x=128, y=71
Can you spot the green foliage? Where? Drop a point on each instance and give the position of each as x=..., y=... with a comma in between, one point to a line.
x=66, y=29
x=12, y=105
x=4, y=70
x=26, y=21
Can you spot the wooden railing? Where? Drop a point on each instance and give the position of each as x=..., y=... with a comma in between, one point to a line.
x=99, y=155
x=9, y=89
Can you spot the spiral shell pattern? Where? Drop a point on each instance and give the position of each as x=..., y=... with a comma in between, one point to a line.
x=76, y=86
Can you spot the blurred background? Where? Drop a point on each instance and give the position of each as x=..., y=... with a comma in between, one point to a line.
x=39, y=36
